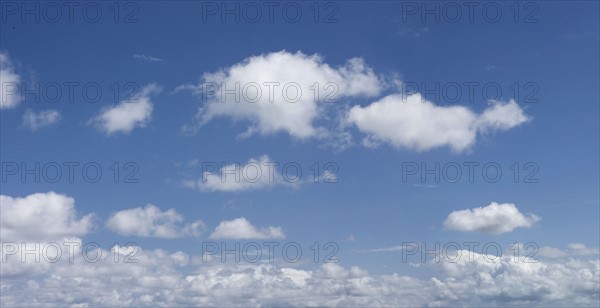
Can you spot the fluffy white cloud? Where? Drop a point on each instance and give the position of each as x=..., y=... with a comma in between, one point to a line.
x=254, y=174
x=279, y=107
x=241, y=228
x=150, y=221
x=494, y=218
x=41, y=217
x=36, y=120
x=160, y=278
x=244, y=92
x=128, y=114
x=10, y=83
x=504, y=282
x=501, y=116
x=410, y=121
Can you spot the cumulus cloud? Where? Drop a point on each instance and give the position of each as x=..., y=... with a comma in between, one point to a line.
x=10, y=83
x=276, y=94
x=41, y=217
x=162, y=278
x=241, y=228
x=258, y=90
x=150, y=221
x=494, y=219
x=506, y=282
x=501, y=116
x=254, y=174
x=410, y=121
x=128, y=114
x=36, y=120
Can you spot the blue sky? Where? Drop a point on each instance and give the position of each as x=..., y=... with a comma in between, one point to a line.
x=168, y=51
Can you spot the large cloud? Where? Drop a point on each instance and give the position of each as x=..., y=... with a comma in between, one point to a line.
x=132, y=276
x=276, y=109
x=504, y=282
x=254, y=90
x=409, y=121
x=128, y=114
x=241, y=228
x=161, y=278
x=494, y=218
x=150, y=221
x=10, y=83
x=34, y=221
x=41, y=217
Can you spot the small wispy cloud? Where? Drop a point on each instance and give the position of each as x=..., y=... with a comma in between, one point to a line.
x=147, y=58
x=386, y=249
x=413, y=32
x=36, y=120
x=427, y=185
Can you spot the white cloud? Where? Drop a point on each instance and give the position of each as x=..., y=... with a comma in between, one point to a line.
x=501, y=116
x=580, y=249
x=150, y=221
x=41, y=217
x=573, y=249
x=147, y=58
x=129, y=114
x=506, y=282
x=241, y=228
x=254, y=174
x=410, y=121
x=402, y=120
x=161, y=278
x=274, y=111
x=551, y=252
x=494, y=219
x=10, y=83
x=36, y=120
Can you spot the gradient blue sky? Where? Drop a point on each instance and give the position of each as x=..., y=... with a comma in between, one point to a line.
x=370, y=207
